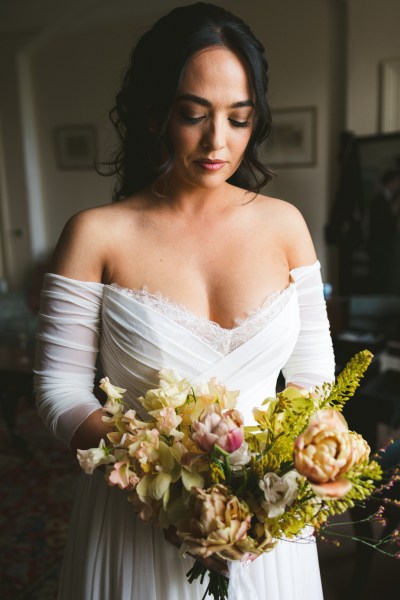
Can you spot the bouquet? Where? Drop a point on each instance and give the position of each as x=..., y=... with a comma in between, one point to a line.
x=225, y=489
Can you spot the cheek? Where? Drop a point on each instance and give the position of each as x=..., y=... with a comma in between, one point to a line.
x=240, y=143
x=183, y=139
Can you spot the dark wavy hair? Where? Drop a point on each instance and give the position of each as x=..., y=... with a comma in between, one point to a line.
x=150, y=86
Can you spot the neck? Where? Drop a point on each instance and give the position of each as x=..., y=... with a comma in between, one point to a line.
x=200, y=202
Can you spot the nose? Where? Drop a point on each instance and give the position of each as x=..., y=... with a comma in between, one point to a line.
x=214, y=134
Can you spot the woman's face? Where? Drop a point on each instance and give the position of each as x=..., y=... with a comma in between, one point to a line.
x=211, y=120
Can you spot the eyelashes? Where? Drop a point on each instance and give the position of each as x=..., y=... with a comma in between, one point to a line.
x=195, y=120
x=243, y=124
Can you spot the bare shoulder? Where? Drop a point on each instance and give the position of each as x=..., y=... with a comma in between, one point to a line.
x=290, y=225
x=86, y=241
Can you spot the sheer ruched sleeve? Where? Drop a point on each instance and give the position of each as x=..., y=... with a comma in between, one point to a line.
x=66, y=351
x=312, y=360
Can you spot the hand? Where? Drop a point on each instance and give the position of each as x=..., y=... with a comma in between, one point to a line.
x=212, y=562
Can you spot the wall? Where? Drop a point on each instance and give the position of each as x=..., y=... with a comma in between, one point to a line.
x=374, y=35
x=14, y=221
x=76, y=76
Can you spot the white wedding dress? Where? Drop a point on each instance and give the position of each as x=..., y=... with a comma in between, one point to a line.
x=111, y=554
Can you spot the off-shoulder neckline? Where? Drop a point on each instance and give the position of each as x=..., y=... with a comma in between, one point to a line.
x=292, y=273
x=295, y=274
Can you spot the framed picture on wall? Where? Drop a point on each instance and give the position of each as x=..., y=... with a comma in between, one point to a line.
x=292, y=141
x=75, y=147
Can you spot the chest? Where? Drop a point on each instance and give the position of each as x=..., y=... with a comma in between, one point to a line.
x=220, y=272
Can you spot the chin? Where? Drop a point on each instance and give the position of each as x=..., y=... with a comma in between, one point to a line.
x=207, y=180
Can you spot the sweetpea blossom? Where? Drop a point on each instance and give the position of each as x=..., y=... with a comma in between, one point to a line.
x=226, y=399
x=167, y=422
x=113, y=404
x=146, y=448
x=94, y=457
x=122, y=476
x=173, y=392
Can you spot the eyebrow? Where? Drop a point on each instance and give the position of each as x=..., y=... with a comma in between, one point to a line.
x=204, y=102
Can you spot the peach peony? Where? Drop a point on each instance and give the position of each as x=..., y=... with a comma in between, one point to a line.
x=219, y=525
x=324, y=451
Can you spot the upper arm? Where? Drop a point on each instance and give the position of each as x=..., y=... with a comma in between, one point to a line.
x=81, y=251
x=300, y=249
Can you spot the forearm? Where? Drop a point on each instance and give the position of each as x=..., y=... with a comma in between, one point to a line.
x=90, y=432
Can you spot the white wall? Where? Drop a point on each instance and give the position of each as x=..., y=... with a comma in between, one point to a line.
x=374, y=35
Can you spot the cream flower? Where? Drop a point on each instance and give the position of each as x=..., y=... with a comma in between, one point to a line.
x=279, y=492
x=111, y=390
x=173, y=392
x=92, y=458
x=226, y=398
x=113, y=404
x=168, y=421
x=145, y=448
x=214, y=428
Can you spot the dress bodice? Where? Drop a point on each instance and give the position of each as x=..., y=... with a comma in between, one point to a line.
x=137, y=334
x=221, y=339
x=142, y=333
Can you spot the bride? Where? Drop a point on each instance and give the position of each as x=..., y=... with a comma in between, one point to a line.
x=191, y=269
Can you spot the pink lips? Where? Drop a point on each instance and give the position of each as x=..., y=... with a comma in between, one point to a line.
x=211, y=165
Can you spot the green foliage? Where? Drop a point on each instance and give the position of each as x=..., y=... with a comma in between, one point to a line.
x=348, y=381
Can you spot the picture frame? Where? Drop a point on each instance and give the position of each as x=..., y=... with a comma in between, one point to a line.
x=292, y=141
x=75, y=147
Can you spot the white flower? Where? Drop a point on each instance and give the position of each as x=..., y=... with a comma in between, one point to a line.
x=92, y=458
x=279, y=492
x=240, y=457
x=111, y=390
x=114, y=396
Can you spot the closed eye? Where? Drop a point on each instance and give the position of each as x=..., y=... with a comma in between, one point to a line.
x=239, y=123
x=191, y=120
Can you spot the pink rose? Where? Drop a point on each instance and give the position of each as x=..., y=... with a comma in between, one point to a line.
x=214, y=428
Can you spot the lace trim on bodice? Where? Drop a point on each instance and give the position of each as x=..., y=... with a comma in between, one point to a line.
x=220, y=339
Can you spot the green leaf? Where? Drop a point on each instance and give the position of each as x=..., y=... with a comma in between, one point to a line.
x=191, y=479
x=159, y=485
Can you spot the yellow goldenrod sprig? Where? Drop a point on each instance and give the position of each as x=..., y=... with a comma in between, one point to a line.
x=348, y=381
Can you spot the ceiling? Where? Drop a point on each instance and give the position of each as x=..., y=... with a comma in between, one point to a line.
x=42, y=15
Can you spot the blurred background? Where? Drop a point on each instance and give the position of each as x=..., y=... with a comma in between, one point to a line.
x=335, y=97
